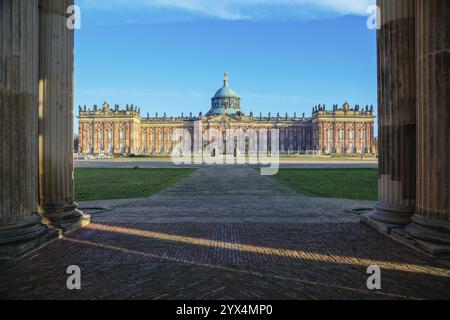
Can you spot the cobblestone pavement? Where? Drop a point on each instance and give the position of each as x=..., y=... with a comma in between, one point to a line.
x=226, y=233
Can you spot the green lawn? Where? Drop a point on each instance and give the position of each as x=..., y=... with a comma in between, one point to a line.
x=358, y=184
x=101, y=184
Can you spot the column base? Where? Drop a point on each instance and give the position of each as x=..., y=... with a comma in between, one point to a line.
x=429, y=230
x=435, y=250
x=413, y=235
x=392, y=216
x=379, y=226
x=67, y=219
x=18, y=240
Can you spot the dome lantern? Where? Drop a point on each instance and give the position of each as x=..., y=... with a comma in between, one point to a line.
x=226, y=100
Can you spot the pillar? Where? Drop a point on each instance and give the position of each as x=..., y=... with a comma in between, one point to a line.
x=56, y=116
x=396, y=115
x=431, y=221
x=20, y=226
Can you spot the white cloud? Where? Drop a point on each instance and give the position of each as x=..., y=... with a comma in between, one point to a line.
x=243, y=9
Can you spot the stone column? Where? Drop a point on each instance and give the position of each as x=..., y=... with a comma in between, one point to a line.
x=56, y=193
x=20, y=226
x=431, y=221
x=396, y=114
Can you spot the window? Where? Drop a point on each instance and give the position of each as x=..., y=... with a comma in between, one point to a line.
x=144, y=140
x=101, y=137
x=90, y=140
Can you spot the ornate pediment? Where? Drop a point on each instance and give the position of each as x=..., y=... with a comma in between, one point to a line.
x=224, y=118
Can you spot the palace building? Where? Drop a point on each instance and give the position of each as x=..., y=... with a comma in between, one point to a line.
x=342, y=130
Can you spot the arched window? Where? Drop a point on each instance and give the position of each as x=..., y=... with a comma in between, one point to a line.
x=144, y=139
x=121, y=135
x=101, y=140
x=89, y=135
x=282, y=140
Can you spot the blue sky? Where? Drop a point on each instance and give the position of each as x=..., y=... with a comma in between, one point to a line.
x=170, y=55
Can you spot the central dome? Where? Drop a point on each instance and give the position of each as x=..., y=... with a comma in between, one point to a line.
x=225, y=101
x=226, y=91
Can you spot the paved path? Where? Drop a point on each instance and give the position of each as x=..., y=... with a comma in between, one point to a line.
x=228, y=195
x=227, y=233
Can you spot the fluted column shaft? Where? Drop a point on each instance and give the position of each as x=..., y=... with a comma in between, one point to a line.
x=396, y=114
x=56, y=101
x=432, y=217
x=20, y=227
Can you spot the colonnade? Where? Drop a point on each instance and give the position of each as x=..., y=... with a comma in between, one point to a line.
x=36, y=125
